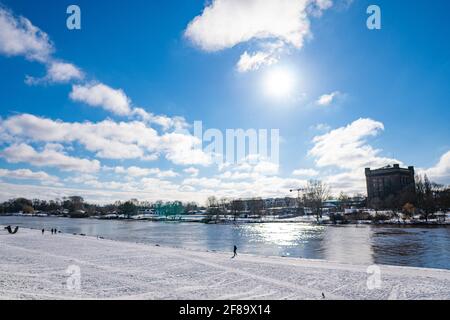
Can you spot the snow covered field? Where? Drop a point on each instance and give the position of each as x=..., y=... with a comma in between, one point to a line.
x=35, y=266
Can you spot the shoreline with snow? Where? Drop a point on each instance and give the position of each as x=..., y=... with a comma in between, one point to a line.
x=63, y=266
x=298, y=219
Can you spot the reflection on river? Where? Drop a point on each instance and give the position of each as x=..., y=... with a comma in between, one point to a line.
x=407, y=246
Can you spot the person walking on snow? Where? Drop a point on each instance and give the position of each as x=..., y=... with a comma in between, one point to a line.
x=235, y=252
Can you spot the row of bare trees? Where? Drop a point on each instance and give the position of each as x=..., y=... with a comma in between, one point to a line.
x=76, y=206
x=313, y=197
x=427, y=198
x=217, y=207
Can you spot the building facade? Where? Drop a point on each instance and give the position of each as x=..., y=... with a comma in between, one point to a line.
x=389, y=183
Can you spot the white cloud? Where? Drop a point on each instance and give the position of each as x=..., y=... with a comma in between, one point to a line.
x=254, y=164
x=345, y=151
x=27, y=174
x=346, y=147
x=209, y=183
x=117, y=102
x=192, y=171
x=318, y=6
x=305, y=173
x=19, y=37
x=81, y=178
x=250, y=62
x=58, y=72
x=224, y=24
x=350, y=182
x=323, y=4
x=266, y=168
x=51, y=156
x=230, y=175
x=252, y=186
x=107, y=139
x=167, y=174
x=142, y=172
x=252, y=168
x=100, y=95
x=177, y=123
x=327, y=99
x=135, y=171
x=441, y=171
x=64, y=72
x=321, y=127
x=182, y=149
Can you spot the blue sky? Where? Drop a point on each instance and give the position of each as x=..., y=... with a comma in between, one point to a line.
x=351, y=97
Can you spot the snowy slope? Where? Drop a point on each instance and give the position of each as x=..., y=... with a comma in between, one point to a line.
x=33, y=266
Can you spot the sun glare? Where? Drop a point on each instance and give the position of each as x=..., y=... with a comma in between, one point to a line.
x=279, y=83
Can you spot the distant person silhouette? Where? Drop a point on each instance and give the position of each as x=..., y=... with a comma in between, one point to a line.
x=43, y=230
x=234, y=252
x=56, y=231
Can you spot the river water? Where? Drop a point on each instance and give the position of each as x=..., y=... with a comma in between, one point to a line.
x=365, y=244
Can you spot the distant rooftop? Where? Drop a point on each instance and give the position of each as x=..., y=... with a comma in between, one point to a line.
x=395, y=167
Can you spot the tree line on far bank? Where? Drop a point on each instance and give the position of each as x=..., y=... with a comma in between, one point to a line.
x=77, y=207
x=427, y=199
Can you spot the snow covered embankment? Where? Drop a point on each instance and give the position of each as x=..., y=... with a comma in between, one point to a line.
x=36, y=266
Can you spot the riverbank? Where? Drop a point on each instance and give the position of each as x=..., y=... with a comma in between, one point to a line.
x=325, y=220
x=34, y=266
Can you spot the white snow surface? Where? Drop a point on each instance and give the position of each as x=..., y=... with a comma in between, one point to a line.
x=33, y=266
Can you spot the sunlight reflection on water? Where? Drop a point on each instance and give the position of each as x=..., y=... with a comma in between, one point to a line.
x=282, y=234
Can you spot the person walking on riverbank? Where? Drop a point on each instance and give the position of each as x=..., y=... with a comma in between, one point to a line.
x=43, y=230
x=234, y=252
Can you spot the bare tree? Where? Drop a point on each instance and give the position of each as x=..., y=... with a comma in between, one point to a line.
x=256, y=206
x=443, y=198
x=315, y=194
x=213, y=207
x=223, y=205
x=190, y=206
x=344, y=200
x=429, y=205
x=212, y=202
x=237, y=206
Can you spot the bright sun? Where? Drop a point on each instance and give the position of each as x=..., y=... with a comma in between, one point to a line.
x=279, y=82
